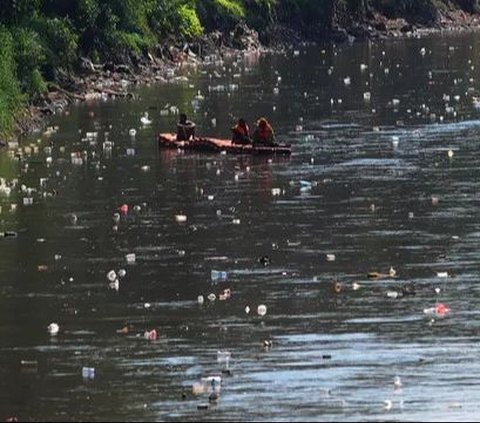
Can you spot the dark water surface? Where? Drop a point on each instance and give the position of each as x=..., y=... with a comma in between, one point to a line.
x=383, y=193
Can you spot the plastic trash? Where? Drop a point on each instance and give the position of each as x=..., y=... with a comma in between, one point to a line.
x=145, y=120
x=151, y=335
x=180, y=218
x=123, y=209
x=236, y=221
x=218, y=275
x=111, y=276
x=131, y=258
x=387, y=405
x=8, y=234
x=392, y=294
x=130, y=152
x=442, y=274
x=122, y=273
x=330, y=257
x=200, y=299
x=247, y=309
x=212, y=297
x=225, y=295
x=88, y=372
x=397, y=382
x=276, y=191
x=439, y=310
x=262, y=310
x=132, y=132
x=53, y=329
x=450, y=154
x=114, y=285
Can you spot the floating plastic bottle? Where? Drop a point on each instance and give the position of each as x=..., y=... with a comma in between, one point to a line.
x=218, y=275
x=88, y=372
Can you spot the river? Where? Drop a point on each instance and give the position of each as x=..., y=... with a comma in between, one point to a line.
x=387, y=181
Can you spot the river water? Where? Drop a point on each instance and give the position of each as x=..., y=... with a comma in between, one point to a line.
x=379, y=190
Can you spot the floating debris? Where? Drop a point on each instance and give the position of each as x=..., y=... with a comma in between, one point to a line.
x=53, y=329
x=262, y=310
x=88, y=372
x=181, y=218
x=151, y=335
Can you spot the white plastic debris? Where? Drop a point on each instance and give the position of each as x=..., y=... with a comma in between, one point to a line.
x=53, y=329
x=111, y=276
x=145, y=120
x=181, y=218
x=247, y=309
x=262, y=310
x=130, y=258
x=200, y=299
x=115, y=285
x=212, y=297
x=88, y=372
x=330, y=257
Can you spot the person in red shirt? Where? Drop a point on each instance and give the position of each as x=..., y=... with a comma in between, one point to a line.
x=241, y=133
x=263, y=134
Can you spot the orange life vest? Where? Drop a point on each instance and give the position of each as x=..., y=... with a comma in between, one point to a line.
x=240, y=130
x=266, y=132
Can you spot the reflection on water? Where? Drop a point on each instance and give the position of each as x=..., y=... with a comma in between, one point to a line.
x=378, y=190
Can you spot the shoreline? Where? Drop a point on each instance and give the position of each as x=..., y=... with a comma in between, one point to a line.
x=95, y=82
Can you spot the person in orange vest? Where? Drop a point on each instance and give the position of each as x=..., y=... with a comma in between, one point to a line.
x=185, y=129
x=241, y=133
x=263, y=134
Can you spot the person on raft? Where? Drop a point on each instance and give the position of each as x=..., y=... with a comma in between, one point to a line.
x=241, y=133
x=263, y=135
x=185, y=129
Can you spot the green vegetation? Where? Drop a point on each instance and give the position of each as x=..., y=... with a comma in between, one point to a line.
x=43, y=39
x=11, y=99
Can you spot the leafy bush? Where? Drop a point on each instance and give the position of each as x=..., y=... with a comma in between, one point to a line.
x=190, y=25
x=11, y=99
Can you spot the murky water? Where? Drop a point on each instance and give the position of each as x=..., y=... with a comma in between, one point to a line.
x=383, y=193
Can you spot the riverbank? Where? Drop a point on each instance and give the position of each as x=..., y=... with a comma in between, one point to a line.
x=96, y=81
